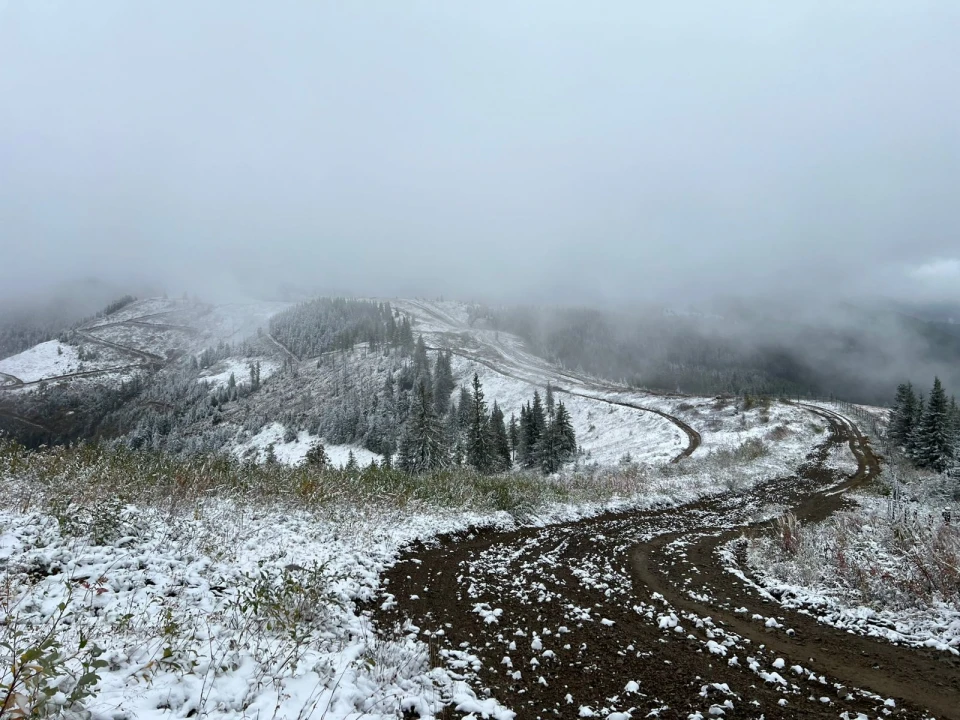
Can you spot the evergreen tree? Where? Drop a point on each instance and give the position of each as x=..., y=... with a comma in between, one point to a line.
x=479, y=452
x=455, y=435
x=421, y=366
x=499, y=440
x=463, y=408
x=351, y=465
x=523, y=436
x=566, y=434
x=536, y=426
x=934, y=447
x=406, y=335
x=513, y=434
x=443, y=383
x=558, y=444
x=317, y=456
x=423, y=448
x=903, y=414
x=914, y=440
x=551, y=404
x=548, y=452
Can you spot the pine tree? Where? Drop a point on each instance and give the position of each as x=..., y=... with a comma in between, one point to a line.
x=351, y=465
x=421, y=366
x=443, y=383
x=903, y=414
x=523, y=437
x=566, y=434
x=499, y=440
x=455, y=435
x=479, y=453
x=914, y=440
x=536, y=426
x=513, y=433
x=934, y=449
x=548, y=451
x=317, y=457
x=551, y=404
x=463, y=408
x=423, y=448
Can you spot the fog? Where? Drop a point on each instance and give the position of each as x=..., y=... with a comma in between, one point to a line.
x=538, y=151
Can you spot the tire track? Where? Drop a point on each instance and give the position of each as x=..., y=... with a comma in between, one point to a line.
x=582, y=610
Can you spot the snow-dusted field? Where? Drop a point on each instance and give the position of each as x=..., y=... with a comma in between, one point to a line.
x=294, y=452
x=887, y=568
x=218, y=376
x=48, y=359
x=180, y=598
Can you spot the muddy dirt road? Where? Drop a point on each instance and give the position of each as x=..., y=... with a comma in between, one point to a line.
x=638, y=613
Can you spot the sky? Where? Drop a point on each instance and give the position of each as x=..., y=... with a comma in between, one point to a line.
x=535, y=151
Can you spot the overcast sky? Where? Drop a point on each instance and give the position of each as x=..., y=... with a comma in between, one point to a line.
x=540, y=150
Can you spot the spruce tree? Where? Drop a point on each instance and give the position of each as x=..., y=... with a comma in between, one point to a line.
x=443, y=383
x=548, y=452
x=513, y=433
x=551, y=404
x=463, y=408
x=536, y=426
x=903, y=414
x=317, y=457
x=934, y=448
x=565, y=432
x=499, y=440
x=423, y=448
x=522, y=447
x=479, y=453
x=914, y=440
x=421, y=365
x=454, y=435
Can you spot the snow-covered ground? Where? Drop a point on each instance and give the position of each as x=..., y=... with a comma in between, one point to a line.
x=886, y=567
x=295, y=451
x=510, y=375
x=187, y=602
x=48, y=359
x=218, y=376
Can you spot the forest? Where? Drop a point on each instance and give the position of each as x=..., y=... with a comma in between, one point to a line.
x=853, y=353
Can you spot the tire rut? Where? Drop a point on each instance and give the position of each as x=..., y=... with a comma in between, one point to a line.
x=548, y=620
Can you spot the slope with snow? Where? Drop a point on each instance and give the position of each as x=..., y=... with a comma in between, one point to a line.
x=510, y=375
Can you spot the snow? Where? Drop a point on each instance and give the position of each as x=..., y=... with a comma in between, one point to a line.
x=510, y=375
x=191, y=574
x=294, y=452
x=46, y=360
x=218, y=376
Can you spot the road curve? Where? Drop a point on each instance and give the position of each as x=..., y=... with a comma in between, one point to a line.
x=606, y=596
x=9, y=382
x=693, y=437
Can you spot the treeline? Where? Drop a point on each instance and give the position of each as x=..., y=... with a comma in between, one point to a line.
x=318, y=326
x=927, y=430
x=851, y=352
x=659, y=351
x=543, y=439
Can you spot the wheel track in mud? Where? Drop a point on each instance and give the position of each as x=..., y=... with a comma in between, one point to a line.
x=638, y=569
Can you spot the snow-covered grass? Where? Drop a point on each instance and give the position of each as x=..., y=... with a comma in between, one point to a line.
x=605, y=431
x=218, y=376
x=48, y=359
x=294, y=451
x=889, y=566
x=232, y=589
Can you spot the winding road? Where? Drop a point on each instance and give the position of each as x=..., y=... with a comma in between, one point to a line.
x=639, y=613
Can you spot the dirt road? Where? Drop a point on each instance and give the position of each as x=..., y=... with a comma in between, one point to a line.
x=637, y=613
